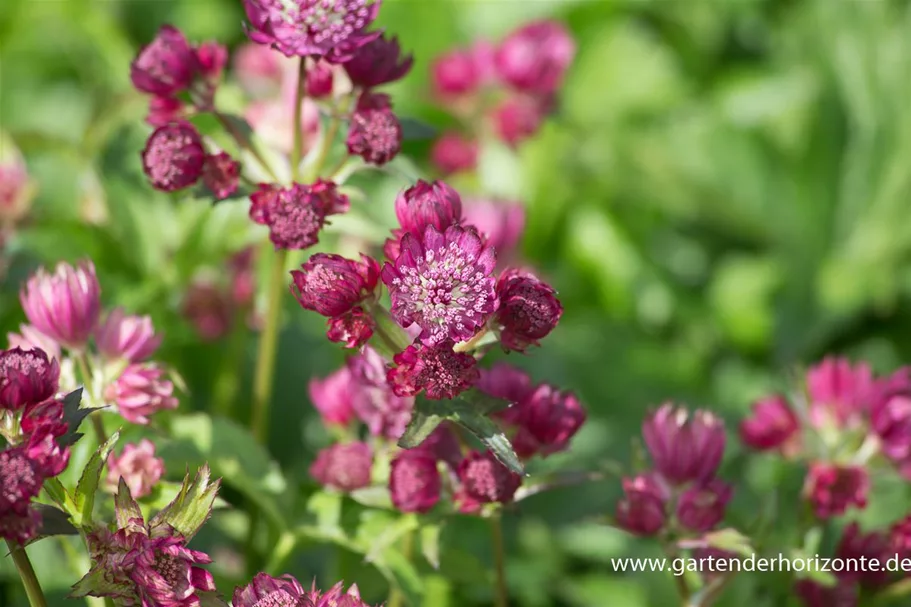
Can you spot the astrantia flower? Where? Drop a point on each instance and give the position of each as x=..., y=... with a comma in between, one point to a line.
x=173, y=157
x=547, y=419
x=501, y=223
x=504, y=381
x=890, y=416
x=814, y=594
x=487, y=480
x=702, y=506
x=332, y=29
x=20, y=482
x=331, y=285
x=374, y=402
x=517, y=118
x=26, y=376
x=138, y=467
x=642, y=509
x=165, y=572
x=455, y=74
x=130, y=338
x=295, y=215
x=319, y=81
x=30, y=338
x=443, y=283
x=454, y=153
x=428, y=204
x=140, y=391
x=375, y=135
x=378, y=62
x=535, y=57
x=353, y=329
x=208, y=308
x=832, y=489
x=873, y=547
x=64, y=305
x=529, y=310
x=684, y=447
x=773, y=425
x=334, y=597
x=838, y=391
x=414, y=481
x=437, y=370
x=332, y=397
x=343, y=466
x=267, y=591
x=165, y=110
x=167, y=65
x=221, y=175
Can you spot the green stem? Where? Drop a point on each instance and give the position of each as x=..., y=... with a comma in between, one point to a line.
x=298, y=146
x=245, y=143
x=265, y=358
x=27, y=575
x=396, y=596
x=499, y=557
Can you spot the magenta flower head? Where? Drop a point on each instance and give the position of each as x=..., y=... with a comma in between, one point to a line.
x=167, y=65
x=529, y=310
x=454, y=153
x=380, y=61
x=319, y=80
x=165, y=572
x=221, y=175
x=701, y=507
x=384, y=413
x=21, y=482
x=26, y=377
x=900, y=537
x=333, y=397
x=428, y=204
x=535, y=57
x=30, y=338
x=516, y=119
x=344, y=466
x=352, y=329
x=547, y=420
x=331, y=29
x=500, y=223
x=684, y=447
x=642, y=509
x=141, y=390
x=890, y=415
x=208, y=308
x=832, y=489
x=295, y=215
x=64, y=305
x=838, y=391
x=504, y=381
x=130, y=338
x=456, y=74
x=773, y=425
x=138, y=467
x=267, y=591
x=442, y=282
x=334, y=597
x=436, y=370
x=414, y=481
x=873, y=547
x=486, y=480
x=375, y=134
x=331, y=285
x=173, y=157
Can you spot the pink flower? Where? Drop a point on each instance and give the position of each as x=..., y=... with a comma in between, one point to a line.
x=173, y=157
x=166, y=66
x=701, y=507
x=454, y=153
x=138, y=467
x=331, y=285
x=380, y=61
x=516, y=119
x=547, y=419
x=140, y=391
x=504, y=381
x=26, y=376
x=319, y=81
x=832, y=489
x=20, y=482
x=208, y=308
x=344, y=466
x=500, y=223
x=334, y=597
x=331, y=29
x=375, y=134
x=374, y=402
x=267, y=591
x=642, y=509
x=437, y=370
x=814, y=594
x=900, y=537
x=874, y=547
x=890, y=415
x=486, y=480
x=64, y=305
x=295, y=215
x=838, y=392
x=130, y=338
x=16, y=189
x=353, y=329
x=773, y=425
x=30, y=338
x=414, y=481
x=165, y=110
x=535, y=57
x=333, y=397
x=273, y=121
x=428, y=204
x=529, y=310
x=455, y=74
x=212, y=57
x=684, y=447
x=258, y=68
x=442, y=282
x=221, y=175
x=165, y=573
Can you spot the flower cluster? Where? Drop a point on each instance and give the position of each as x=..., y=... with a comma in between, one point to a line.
x=681, y=493
x=507, y=88
x=267, y=591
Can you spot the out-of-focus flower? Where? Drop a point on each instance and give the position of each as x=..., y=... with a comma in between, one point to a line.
x=331, y=29
x=547, y=419
x=273, y=120
x=267, y=591
x=30, y=338
x=414, y=481
x=331, y=285
x=858, y=547
x=319, y=80
x=890, y=416
x=295, y=215
x=832, y=489
x=838, y=392
x=16, y=188
x=258, y=69
x=642, y=509
x=374, y=134
x=436, y=370
x=773, y=425
x=384, y=413
x=64, y=305
x=504, y=381
x=126, y=337
x=208, y=308
x=140, y=391
x=684, y=447
x=165, y=66
x=516, y=119
x=344, y=466
x=21, y=482
x=165, y=110
x=378, y=62
x=501, y=223
x=428, y=204
x=332, y=397
x=212, y=57
x=453, y=153
x=138, y=467
x=486, y=480
x=814, y=594
x=529, y=310
x=455, y=74
x=173, y=157
x=443, y=282
x=221, y=175
x=702, y=506
x=535, y=57
x=26, y=377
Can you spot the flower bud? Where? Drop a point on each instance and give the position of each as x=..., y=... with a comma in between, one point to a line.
x=165, y=110
x=378, y=62
x=486, y=480
x=504, y=381
x=352, y=329
x=455, y=74
x=684, y=447
x=319, y=81
x=547, y=420
x=529, y=310
x=642, y=509
x=773, y=424
x=701, y=507
x=212, y=58
x=414, y=481
x=437, y=370
x=173, y=157
x=344, y=467
x=64, y=305
x=500, y=223
x=331, y=285
x=208, y=308
x=454, y=153
x=832, y=489
x=138, y=467
x=838, y=392
x=130, y=338
x=375, y=135
x=26, y=377
x=141, y=390
x=332, y=397
x=535, y=57
x=221, y=175
x=516, y=119
x=428, y=204
x=165, y=66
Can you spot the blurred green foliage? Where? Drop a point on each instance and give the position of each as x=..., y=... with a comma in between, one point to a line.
x=721, y=200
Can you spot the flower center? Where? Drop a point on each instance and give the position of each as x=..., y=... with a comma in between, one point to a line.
x=18, y=481
x=171, y=568
x=278, y=598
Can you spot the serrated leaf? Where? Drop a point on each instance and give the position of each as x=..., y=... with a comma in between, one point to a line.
x=416, y=130
x=491, y=435
x=125, y=507
x=97, y=583
x=84, y=498
x=729, y=540
x=73, y=416
x=421, y=426
x=192, y=506
x=484, y=403
x=54, y=521
x=430, y=543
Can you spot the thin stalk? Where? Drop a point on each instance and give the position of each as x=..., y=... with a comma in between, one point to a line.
x=265, y=359
x=88, y=382
x=27, y=575
x=244, y=143
x=396, y=596
x=499, y=557
x=298, y=146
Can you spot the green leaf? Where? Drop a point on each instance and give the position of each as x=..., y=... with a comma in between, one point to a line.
x=489, y=433
x=421, y=426
x=73, y=416
x=54, y=521
x=125, y=507
x=88, y=482
x=430, y=543
x=192, y=506
x=416, y=130
x=373, y=497
x=98, y=583
x=377, y=533
x=729, y=540
x=484, y=403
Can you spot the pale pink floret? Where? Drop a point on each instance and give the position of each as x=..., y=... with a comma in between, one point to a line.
x=131, y=338
x=64, y=305
x=138, y=467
